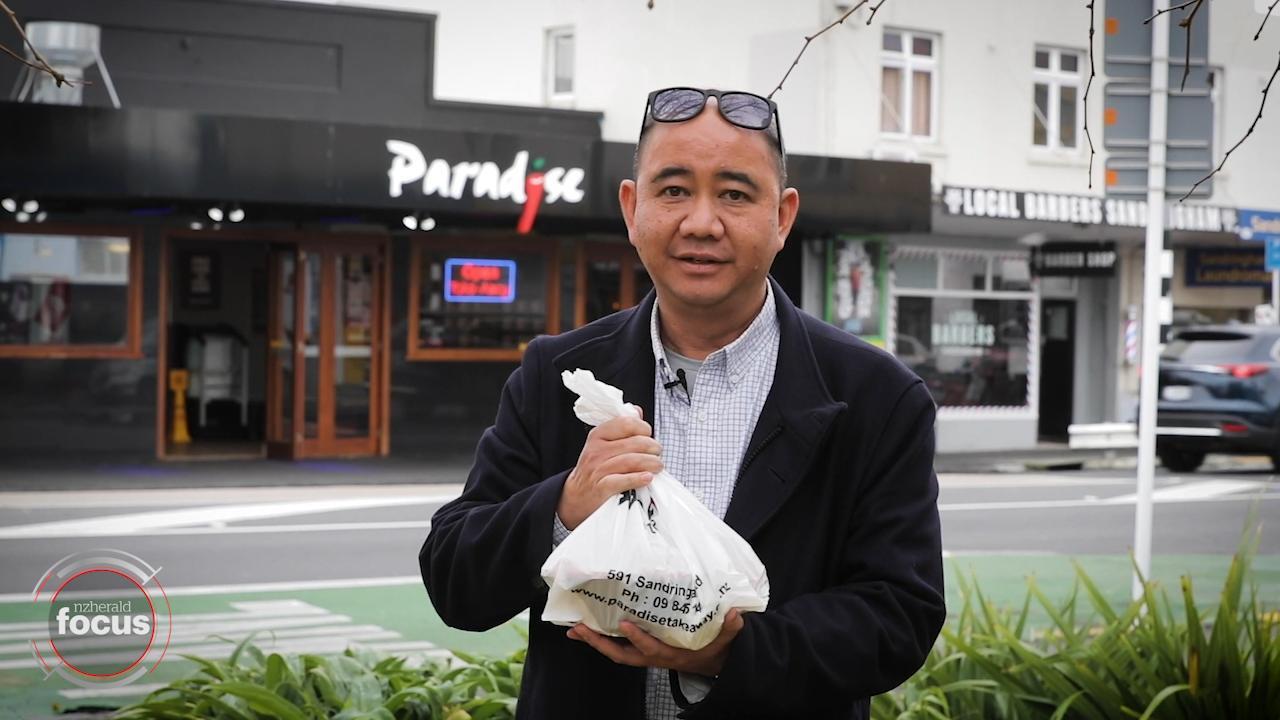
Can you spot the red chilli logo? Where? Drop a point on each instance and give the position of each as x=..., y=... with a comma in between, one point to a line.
x=534, y=184
x=109, y=621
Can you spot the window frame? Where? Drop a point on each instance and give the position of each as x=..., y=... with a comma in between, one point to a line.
x=1056, y=79
x=132, y=347
x=462, y=245
x=909, y=64
x=552, y=35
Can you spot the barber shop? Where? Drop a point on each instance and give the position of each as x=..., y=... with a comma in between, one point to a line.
x=224, y=246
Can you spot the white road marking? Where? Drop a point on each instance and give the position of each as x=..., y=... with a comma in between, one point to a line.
x=167, y=497
x=1119, y=502
x=990, y=480
x=1202, y=490
x=232, y=589
x=219, y=529
x=291, y=626
x=124, y=691
x=139, y=523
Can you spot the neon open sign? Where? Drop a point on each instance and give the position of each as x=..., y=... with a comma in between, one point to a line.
x=479, y=280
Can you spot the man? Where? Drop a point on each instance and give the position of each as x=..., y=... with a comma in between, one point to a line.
x=814, y=446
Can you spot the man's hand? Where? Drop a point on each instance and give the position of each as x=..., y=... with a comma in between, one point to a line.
x=619, y=455
x=644, y=650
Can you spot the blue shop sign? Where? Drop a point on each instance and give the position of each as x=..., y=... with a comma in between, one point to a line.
x=1226, y=267
x=1273, y=253
x=1258, y=225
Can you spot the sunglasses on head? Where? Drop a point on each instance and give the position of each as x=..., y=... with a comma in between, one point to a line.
x=744, y=109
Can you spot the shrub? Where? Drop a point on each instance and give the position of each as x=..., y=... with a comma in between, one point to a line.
x=359, y=683
x=1097, y=662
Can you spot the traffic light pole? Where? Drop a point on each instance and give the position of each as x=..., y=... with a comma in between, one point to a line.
x=1155, y=309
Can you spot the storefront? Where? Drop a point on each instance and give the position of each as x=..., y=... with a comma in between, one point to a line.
x=1021, y=309
x=205, y=274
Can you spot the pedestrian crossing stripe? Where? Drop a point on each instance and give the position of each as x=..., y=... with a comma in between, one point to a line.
x=283, y=626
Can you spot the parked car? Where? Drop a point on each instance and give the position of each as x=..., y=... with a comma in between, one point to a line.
x=1219, y=393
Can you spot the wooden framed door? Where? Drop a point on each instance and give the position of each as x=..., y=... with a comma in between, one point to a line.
x=326, y=376
x=609, y=278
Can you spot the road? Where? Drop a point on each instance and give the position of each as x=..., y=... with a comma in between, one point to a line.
x=324, y=566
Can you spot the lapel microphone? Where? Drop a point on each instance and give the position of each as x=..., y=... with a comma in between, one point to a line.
x=678, y=381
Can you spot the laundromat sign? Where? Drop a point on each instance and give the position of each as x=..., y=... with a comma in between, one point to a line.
x=1081, y=209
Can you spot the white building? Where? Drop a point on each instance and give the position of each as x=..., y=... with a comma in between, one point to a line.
x=990, y=94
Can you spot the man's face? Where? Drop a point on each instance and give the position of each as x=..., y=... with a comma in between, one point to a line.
x=706, y=213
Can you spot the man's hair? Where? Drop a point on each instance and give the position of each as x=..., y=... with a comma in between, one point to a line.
x=770, y=133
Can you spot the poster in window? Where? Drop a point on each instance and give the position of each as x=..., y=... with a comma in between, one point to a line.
x=855, y=292
x=200, y=285
x=16, y=309
x=971, y=352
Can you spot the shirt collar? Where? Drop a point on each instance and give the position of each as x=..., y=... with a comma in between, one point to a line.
x=739, y=354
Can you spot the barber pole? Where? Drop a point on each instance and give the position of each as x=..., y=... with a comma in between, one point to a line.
x=1132, y=348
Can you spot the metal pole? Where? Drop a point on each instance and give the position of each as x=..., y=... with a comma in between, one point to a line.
x=1151, y=297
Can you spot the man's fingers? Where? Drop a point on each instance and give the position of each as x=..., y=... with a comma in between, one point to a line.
x=644, y=642
x=630, y=463
x=634, y=444
x=614, y=484
x=622, y=654
x=619, y=428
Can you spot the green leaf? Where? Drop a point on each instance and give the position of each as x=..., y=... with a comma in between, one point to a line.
x=260, y=700
x=1164, y=694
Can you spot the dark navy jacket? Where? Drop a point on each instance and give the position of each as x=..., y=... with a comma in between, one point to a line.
x=837, y=495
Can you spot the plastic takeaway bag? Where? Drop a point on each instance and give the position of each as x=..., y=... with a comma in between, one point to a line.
x=654, y=556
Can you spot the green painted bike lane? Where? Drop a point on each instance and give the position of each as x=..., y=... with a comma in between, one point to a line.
x=406, y=611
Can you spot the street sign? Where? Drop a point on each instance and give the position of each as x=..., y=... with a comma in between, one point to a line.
x=1127, y=117
x=1258, y=225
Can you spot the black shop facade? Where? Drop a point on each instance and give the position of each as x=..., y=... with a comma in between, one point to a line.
x=215, y=286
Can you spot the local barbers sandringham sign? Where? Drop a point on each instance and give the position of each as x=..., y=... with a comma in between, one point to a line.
x=1081, y=209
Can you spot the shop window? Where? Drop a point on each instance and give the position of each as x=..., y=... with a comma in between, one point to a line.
x=969, y=351
x=559, y=66
x=1056, y=114
x=916, y=271
x=969, y=336
x=964, y=272
x=908, y=84
x=1013, y=275
x=482, y=300
x=70, y=295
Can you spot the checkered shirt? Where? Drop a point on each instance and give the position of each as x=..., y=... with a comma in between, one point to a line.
x=705, y=435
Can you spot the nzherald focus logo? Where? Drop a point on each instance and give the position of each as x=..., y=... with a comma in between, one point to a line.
x=108, y=619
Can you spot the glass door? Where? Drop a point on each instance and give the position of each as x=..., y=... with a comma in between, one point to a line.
x=325, y=374
x=610, y=277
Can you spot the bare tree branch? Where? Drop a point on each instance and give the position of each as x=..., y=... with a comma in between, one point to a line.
x=1264, y=20
x=1247, y=133
x=809, y=38
x=1088, y=86
x=40, y=64
x=1158, y=13
x=1185, y=23
x=875, y=9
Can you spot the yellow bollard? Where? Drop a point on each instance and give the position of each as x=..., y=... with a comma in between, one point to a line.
x=178, y=384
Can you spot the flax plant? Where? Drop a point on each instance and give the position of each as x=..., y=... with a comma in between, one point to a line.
x=1096, y=661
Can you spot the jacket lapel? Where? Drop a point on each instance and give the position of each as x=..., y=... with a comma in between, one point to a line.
x=796, y=417
x=622, y=358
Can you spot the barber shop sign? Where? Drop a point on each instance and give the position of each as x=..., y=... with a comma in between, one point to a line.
x=525, y=181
